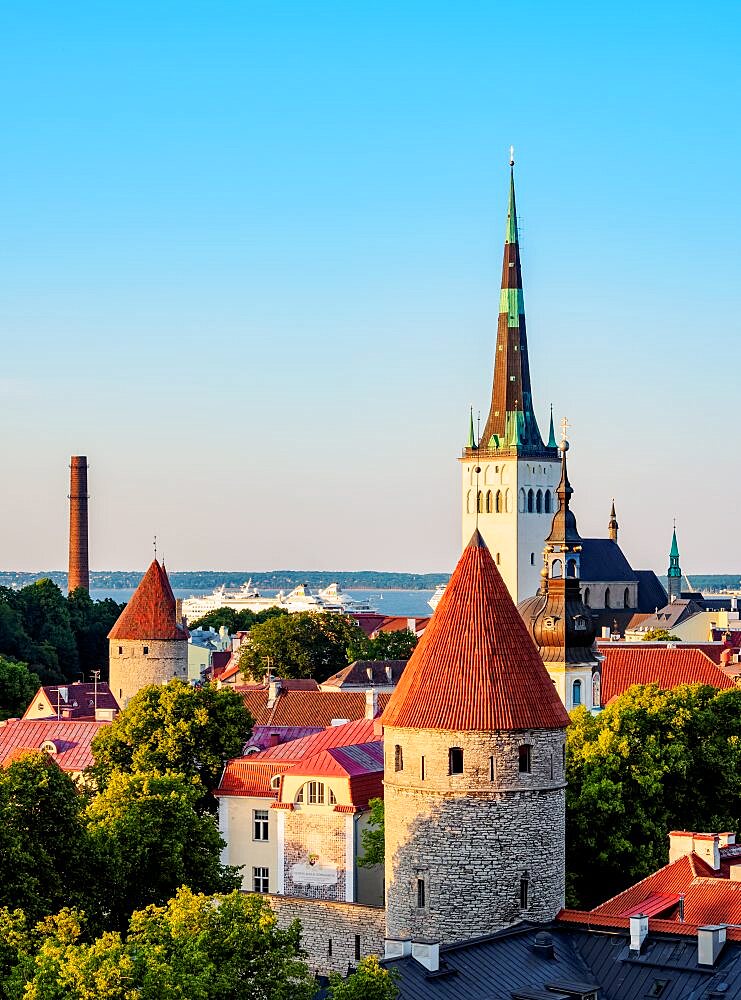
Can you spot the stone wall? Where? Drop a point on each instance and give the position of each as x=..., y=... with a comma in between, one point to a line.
x=131, y=668
x=471, y=838
x=323, y=922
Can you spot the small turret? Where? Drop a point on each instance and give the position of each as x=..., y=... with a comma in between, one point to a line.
x=612, y=524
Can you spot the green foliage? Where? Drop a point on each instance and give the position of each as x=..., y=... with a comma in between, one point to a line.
x=42, y=836
x=236, y=621
x=372, y=836
x=91, y=622
x=189, y=730
x=369, y=982
x=651, y=762
x=147, y=839
x=660, y=635
x=195, y=946
x=18, y=685
x=386, y=646
x=300, y=645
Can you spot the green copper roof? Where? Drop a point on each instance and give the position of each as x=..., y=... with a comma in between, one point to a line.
x=510, y=235
x=674, y=551
x=471, y=435
x=551, y=433
x=512, y=302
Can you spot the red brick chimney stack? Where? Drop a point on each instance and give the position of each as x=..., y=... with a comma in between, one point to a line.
x=79, y=571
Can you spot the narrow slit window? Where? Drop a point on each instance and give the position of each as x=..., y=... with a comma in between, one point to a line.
x=524, y=892
x=357, y=947
x=420, y=893
x=398, y=758
x=525, y=759
x=422, y=768
x=455, y=760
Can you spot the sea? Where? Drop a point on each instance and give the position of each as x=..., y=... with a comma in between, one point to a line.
x=405, y=603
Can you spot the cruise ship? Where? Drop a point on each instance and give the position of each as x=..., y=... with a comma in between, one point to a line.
x=248, y=598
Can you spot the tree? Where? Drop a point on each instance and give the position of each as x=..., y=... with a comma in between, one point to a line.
x=651, y=762
x=300, y=645
x=43, y=843
x=195, y=946
x=660, y=635
x=372, y=837
x=147, y=839
x=46, y=619
x=385, y=646
x=91, y=622
x=18, y=685
x=189, y=730
x=369, y=982
x=236, y=621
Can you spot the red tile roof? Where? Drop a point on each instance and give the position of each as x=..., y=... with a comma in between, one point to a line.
x=265, y=737
x=342, y=762
x=348, y=734
x=476, y=666
x=150, y=614
x=634, y=663
x=72, y=738
x=306, y=708
x=594, y=920
x=251, y=776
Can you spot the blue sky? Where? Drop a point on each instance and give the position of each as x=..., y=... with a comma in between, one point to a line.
x=250, y=256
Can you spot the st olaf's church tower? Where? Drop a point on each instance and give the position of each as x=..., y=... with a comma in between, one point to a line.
x=509, y=476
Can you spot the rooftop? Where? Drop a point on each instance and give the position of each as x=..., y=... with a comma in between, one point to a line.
x=150, y=614
x=631, y=663
x=71, y=739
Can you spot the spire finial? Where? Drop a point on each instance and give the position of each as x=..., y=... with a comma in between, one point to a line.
x=154, y=543
x=511, y=156
x=564, y=427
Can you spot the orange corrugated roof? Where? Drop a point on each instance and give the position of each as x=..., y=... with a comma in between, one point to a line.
x=150, y=614
x=247, y=776
x=476, y=666
x=634, y=663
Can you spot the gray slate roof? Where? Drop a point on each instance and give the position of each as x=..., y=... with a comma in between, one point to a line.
x=493, y=968
x=651, y=594
x=602, y=561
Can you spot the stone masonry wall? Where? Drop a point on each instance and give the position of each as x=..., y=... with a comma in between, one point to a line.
x=132, y=669
x=317, y=833
x=323, y=921
x=472, y=837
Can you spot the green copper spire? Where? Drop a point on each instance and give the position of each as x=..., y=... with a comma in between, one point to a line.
x=471, y=436
x=510, y=234
x=675, y=573
x=674, y=550
x=551, y=433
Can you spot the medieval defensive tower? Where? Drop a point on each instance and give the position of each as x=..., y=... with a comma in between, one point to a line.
x=79, y=570
x=474, y=770
x=147, y=645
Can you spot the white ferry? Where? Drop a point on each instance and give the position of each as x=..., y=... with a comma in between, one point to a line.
x=248, y=598
x=435, y=599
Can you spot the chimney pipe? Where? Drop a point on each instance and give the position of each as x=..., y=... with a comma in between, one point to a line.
x=79, y=570
x=638, y=932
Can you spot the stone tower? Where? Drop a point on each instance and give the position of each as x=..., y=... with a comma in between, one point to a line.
x=474, y=770
x=79, y=571
x=559, y=622
x=612, y=524
x=509, y=475
x=674, y=587
x=147, y=645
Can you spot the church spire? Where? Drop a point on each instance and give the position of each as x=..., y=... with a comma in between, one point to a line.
x=551, y=433
x=471, y=443
x=612, y=524
x=675, y=573
x=511, y=422
x=563, y=529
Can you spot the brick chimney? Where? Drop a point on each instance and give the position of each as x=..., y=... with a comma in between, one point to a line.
x=705, y=845
x=79, y=570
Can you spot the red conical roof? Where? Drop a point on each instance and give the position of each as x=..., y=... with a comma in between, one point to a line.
x=150, y=614
x=476, y=667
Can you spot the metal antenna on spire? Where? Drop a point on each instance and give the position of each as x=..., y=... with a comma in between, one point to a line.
x=478, y=429
x=477, y=470
x=155, y=548
x=511, y=156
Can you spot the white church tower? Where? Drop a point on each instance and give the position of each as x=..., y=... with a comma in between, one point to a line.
x=509, y=477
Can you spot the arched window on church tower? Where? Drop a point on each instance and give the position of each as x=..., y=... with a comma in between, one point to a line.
x=576, y=693
x=508, y=501
x=480, y=502
x=607, y=597
x=530, y=501
x=469, y=508
x=499, y=506
x=539, y=502
x=488, y=501
x=523, y=501
x=571, y=568
x=586, y=596
x=557, y=569
x=548, y=505
x=626, y=598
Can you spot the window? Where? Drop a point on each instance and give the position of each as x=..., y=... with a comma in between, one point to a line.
x=314, y=793
x=480, y=502
x=586, y=596
x=532, y=558
x=530, y=501
x=596, y=692
x=524, y=892
x=539, y=502
x=607, y=597
x=260, y=824
x=455, y=760
x=523, y=502
x=571, y=568
x=488, y=502
x=551, y=767
x=357, y=947
x=275, y=781
x=492, y=769
x=422, y=768
x=525, y=759
x=626, y=598
x=146, y=650
x=420, y=893
x=261, y=880
x=657, y=987
x=548, y=503
x=556, y=569
x=398, y=758
x=499, y=502
x=576, y=693
x=329, y=948
x=498, y=558
x=120, y=650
